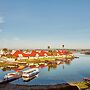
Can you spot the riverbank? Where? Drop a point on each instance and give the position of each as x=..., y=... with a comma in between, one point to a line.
x=82, y=85
x=37, y=87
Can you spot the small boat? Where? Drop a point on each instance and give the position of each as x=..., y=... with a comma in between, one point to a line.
x=28, y=74
x=31, y=78
x=11, y=77
x=86, y=79
x=21, y=67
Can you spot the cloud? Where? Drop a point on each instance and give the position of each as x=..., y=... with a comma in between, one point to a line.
x=1, y=19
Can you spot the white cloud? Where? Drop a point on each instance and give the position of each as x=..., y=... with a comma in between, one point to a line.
x=1, y=19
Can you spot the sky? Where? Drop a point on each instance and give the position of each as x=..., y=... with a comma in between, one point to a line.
x=39, y=23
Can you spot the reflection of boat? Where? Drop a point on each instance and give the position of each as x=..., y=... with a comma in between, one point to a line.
x=11, y=76
x=86, y=79
x=28, y=74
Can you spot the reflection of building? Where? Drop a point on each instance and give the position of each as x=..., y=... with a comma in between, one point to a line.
x=63, y=66
x=6, y=68
x=52, y=66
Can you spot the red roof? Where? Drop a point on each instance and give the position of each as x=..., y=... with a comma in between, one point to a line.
x=33, y=53
x=64, y=52
x=26, y=55
x=61, y=52
x=42, y=53
x=17, y=53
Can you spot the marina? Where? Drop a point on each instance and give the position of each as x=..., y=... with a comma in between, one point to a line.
x=44, y=45
x=55, y=72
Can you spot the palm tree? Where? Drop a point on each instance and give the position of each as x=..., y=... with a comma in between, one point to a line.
x=62, y=46
x=49, y=47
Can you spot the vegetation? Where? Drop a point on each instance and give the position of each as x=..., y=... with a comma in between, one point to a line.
x=6, y=64
x=82, y=85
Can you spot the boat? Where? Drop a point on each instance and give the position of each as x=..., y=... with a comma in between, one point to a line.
x=28, y=74
x=87, y=79
x=21, y=67
x=31, y=78
x=11, y=77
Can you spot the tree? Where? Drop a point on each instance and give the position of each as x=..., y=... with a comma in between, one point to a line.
x=48, y=47
x=5, y=50
x=62, y=46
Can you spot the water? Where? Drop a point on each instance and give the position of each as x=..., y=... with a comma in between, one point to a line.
x=75, y=71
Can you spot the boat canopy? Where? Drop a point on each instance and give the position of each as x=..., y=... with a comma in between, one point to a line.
x=30, y=70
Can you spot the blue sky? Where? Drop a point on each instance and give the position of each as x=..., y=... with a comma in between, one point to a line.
x=39, y=23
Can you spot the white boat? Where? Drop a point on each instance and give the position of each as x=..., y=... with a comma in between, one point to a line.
x=11, y=76
x=28, y=74
x=14, y=74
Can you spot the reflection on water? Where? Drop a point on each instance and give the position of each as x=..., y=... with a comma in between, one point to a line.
x=58, y=71
x=6, y=68
x=47, y=64
x=54, y=65
x=50, y=65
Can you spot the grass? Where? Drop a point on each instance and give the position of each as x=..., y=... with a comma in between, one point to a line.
x=6, y=64
x=81, y=85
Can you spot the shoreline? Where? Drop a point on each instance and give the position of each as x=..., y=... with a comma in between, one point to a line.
x=64, y=86
x=80, y=85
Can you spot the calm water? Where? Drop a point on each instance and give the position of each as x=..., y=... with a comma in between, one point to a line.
x=75, y=71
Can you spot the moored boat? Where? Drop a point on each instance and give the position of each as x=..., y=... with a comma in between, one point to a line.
x=11, y=77
x=31, y=78
x=86, y=79
x=28, y=74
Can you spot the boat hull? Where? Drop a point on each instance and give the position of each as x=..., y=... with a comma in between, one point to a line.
x=30, y=77
x=87, y=79
x=7, y=80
